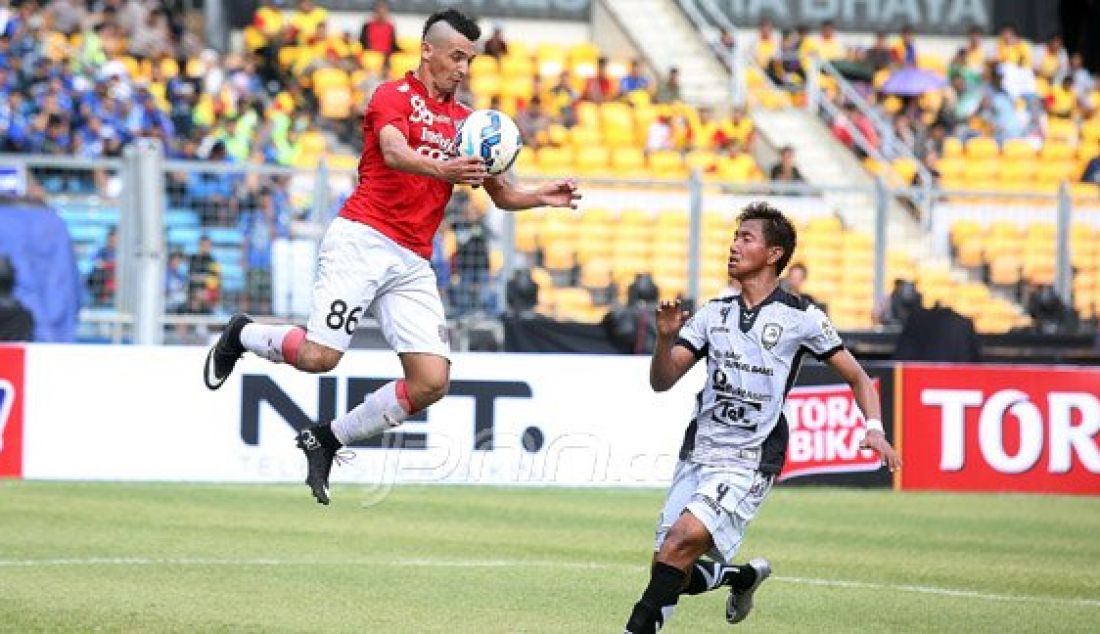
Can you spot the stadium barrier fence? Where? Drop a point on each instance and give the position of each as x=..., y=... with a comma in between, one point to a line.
x=264, y=224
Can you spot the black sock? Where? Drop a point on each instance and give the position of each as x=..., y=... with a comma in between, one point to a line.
x=708, y=575
x=327, y=438
x=663, y=592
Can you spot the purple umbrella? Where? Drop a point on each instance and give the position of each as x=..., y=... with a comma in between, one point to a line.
x=911, y=81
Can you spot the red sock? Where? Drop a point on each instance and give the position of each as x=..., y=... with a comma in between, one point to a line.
x=292, y=342
x=402, y=390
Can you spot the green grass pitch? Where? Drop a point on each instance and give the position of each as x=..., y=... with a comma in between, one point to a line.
x=189, y=558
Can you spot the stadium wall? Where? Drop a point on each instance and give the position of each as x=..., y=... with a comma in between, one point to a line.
x=142, y=414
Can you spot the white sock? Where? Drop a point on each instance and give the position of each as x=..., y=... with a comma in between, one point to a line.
x=380, y=410
x=266, y=341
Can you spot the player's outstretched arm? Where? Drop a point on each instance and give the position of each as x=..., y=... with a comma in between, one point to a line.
x=844, y=364
x=399, y=156
x=509, y=195
x=670, y=361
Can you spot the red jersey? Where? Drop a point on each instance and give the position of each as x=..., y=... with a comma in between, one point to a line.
x=405, y=207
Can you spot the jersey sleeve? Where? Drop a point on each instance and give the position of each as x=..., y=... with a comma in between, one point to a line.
x=821, y=337
x=693, y=334
x=388, y=106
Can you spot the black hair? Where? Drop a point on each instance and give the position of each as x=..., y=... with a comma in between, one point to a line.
x=458, y=20
x=778, y=229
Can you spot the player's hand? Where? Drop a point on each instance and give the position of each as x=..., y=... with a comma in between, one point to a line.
x=876, y=441
x=559, y=193
x=463, y=170
x=670, y=318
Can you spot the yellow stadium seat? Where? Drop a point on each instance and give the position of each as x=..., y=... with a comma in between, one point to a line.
x=1017, y=171
x=905, y=168
x=827, y=225
x=336, y=103
x=372, y=61
x=1018, y=148
x=596, y=273
x=592, y=160
x=513, y=65
x=1060, y=131
x=584, y=51
x=952, y=147
x=485, y=85
x=964, y=228
x=555, y=160
x=313, y=142
x=288, y=56
x=982, y=147
x=667, y=164
x=401, y=63
x=1055, y=171
x=951, y=168
x=1090, y=131
x=484, y=65
x=628, y=161
x=970, y=251
x=558, y=255
x=588, y=115
x=1053, y=151
x=584, y=137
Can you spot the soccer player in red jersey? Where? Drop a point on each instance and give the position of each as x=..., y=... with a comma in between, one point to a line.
x=375, y=254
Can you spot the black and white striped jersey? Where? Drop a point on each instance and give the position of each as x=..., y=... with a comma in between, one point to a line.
x=753, y=358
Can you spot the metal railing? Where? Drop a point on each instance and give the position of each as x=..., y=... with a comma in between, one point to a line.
x=157, y=217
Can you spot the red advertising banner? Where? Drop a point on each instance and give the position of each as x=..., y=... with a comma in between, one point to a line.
x=11, y=411
x=989, y=428
x=825, y=427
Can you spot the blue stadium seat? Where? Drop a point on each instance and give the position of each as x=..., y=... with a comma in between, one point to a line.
x=225, y=236
x=181, y=217
x=87, y=232
x=186, y=238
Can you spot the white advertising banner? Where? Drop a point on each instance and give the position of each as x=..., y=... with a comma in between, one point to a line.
x=142, y=413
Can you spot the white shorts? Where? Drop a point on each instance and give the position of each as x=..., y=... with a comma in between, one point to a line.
x=724, y=499
x=360, y=270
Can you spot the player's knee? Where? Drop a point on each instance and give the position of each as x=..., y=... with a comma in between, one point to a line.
x=429, y=389
x=316, y=358
x=681, y=546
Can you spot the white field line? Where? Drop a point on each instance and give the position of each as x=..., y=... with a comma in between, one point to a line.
x=503, y=563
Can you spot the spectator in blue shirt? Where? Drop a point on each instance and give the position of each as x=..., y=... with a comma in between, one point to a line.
x=260, y=226
x=634, y=80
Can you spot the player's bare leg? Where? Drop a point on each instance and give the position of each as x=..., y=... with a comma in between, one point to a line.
x=427, y=377
x=687, y=540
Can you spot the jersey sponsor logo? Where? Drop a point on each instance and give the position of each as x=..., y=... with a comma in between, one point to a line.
x=439, y=140
x=825, y=427
x=11, y=411
x=979, y=428
x=770, y=336
x=748, y=368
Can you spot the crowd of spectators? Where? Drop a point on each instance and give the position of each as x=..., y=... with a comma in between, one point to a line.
x=1006, y=89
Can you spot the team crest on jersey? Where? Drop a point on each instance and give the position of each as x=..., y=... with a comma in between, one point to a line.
x=770, y=336
x=403, y=88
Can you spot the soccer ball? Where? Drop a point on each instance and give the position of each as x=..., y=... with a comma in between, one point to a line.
x=491, y=136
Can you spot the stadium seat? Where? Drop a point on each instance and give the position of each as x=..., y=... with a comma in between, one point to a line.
x=667, y=164
x=628, y=162
x=982, y=148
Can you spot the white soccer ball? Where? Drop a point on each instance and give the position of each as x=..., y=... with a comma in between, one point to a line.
x=491, y=136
